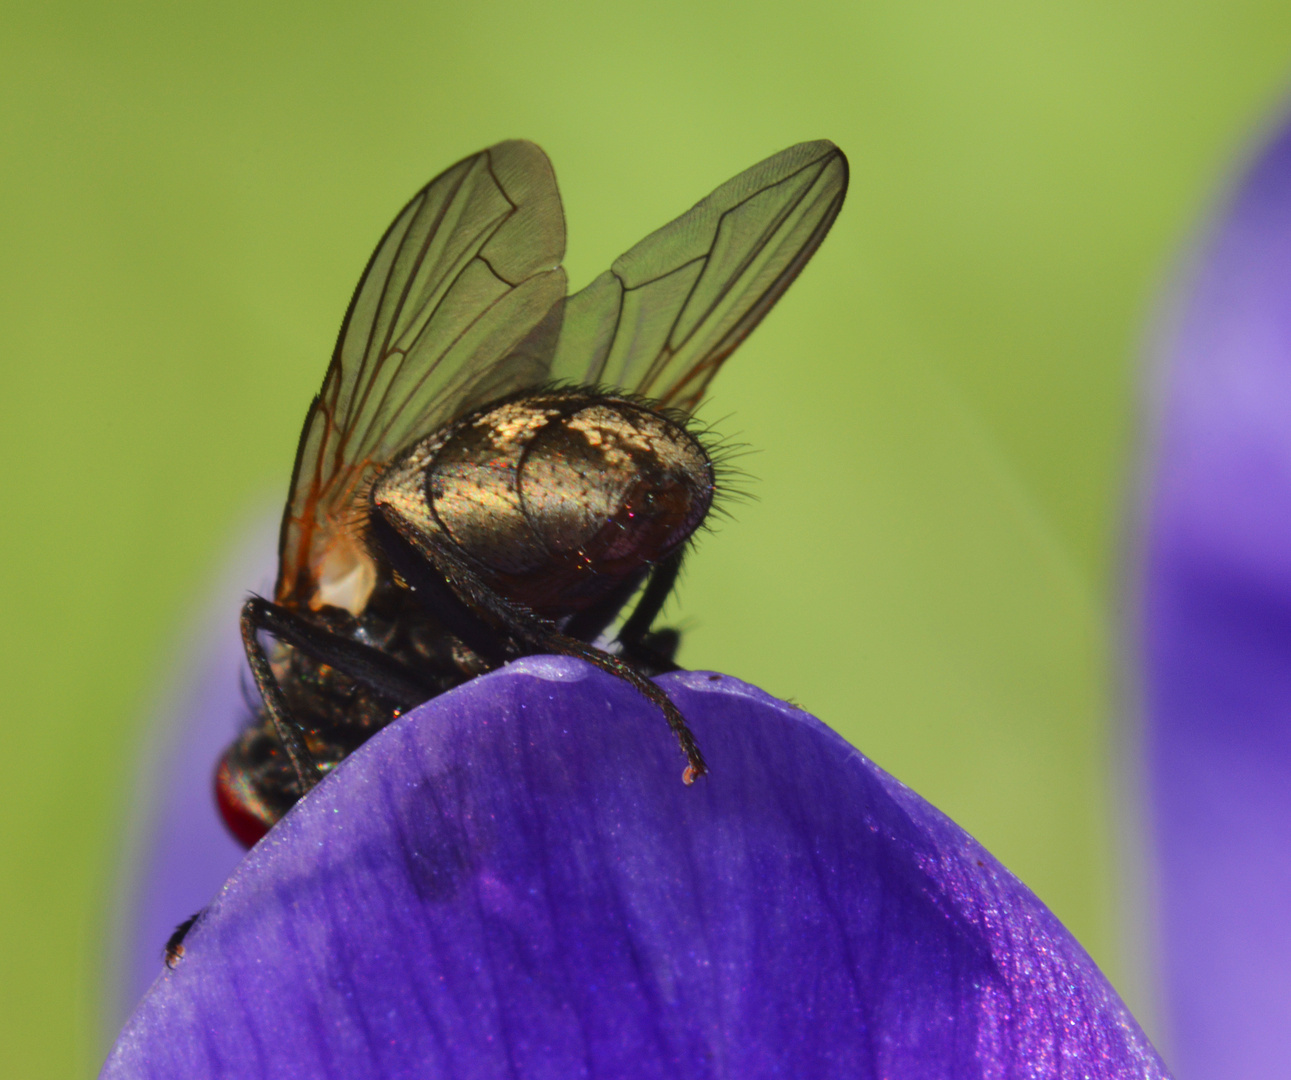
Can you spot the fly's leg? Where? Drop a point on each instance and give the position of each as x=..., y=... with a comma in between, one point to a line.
x=174, y=950
x=524, y=626
x=656, y=651
x=550, y=641
x=435, y=590
x=363, y=663
x=275, y=703
x=590, y=624
x=376, y=670
x=653, y=649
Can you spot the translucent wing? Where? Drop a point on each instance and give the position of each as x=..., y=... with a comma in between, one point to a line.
x=459, y=304
x=662, y=319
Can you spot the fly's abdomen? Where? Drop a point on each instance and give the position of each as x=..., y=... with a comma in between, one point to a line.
x=559, y=498
x=615, y=484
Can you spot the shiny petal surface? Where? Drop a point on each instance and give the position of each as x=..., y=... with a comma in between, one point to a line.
x=513, y=881
x=1218, y=643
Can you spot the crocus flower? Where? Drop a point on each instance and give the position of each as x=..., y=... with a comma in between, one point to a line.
x=512, y=880
x=1217, y=625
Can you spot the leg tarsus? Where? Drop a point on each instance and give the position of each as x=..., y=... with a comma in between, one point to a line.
x=654, y=653
x=696, y=767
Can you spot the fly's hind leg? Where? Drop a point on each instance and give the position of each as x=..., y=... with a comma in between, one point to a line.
x=452, y=588
x=542, y=636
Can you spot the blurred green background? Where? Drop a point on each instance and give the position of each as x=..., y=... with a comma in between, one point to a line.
x=943, y=408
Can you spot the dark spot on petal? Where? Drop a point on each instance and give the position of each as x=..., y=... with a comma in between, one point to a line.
x=437, y=867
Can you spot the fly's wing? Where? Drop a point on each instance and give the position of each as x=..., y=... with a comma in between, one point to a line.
x=662, y=319
x=460, y=303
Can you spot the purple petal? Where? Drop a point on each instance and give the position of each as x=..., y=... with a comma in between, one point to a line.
x=513, y=881
x=1218, y=644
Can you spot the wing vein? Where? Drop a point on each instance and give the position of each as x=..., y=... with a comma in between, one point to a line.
x=385, y=351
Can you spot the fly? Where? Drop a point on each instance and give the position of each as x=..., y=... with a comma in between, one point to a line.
x=494, y=469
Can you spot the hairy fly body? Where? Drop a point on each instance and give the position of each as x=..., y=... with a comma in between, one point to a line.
x=493, y=469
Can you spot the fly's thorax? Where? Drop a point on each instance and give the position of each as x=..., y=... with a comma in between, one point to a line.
x=556, y=497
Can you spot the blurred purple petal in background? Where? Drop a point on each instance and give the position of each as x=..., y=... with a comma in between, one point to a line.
x=513, y=881
x=1217, y=625
x=182, y=852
